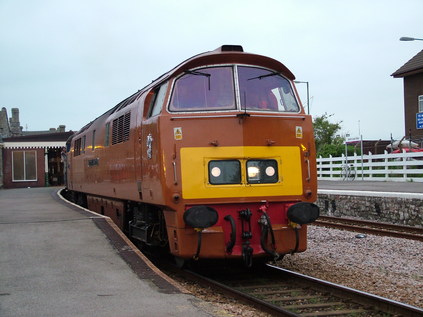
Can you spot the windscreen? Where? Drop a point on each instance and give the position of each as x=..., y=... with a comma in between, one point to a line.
x=213, y=89
x=204, y=90
x=261, y=89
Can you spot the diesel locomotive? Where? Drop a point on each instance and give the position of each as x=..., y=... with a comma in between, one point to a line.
x=214, y=159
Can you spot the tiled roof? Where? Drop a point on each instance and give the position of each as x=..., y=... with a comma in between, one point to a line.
x=413, y=66
x=54, y=136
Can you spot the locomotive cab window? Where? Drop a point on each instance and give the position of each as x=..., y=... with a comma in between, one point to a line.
x=264, y=90
x=213, y=89
x=204, y=89
x=158, y=99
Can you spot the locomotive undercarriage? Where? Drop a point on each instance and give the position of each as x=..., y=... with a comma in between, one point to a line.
x=142, y=222
x=248, y=231
x=147, y=225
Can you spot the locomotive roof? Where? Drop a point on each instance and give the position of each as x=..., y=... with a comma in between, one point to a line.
x=226, y=54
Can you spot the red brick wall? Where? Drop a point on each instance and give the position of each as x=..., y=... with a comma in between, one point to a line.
x=7, y=169
x=413, y=87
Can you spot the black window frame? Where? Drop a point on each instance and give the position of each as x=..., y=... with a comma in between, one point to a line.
x=213, y=180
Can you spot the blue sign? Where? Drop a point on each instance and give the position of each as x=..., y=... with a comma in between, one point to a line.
x=419, y=120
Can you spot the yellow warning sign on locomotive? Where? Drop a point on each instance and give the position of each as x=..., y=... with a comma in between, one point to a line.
x=299, y=132
x=177, y=133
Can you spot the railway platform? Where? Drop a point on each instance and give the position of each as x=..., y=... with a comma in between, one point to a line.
x=390, y=202
x=59, y=260
x=369, y=188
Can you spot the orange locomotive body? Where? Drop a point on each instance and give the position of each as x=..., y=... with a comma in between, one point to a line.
x=214, y=159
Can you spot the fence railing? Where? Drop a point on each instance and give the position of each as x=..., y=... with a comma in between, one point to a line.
x=402, y=167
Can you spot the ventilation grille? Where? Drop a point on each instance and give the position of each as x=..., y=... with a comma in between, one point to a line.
x=121, y=128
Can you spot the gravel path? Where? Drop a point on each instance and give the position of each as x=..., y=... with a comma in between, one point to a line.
x=388, y=267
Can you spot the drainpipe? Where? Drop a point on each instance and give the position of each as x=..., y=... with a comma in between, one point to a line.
x=46, y=167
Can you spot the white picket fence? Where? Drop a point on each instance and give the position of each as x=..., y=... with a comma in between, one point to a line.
x=400, y=167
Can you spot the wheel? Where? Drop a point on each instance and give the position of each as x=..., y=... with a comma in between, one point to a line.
x=180, y=262
x=344, y=172
x=351, y=173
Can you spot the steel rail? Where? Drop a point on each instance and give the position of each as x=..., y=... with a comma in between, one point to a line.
x=341, y=300
x=384, y=304
x=366, y=226
x=251, y=300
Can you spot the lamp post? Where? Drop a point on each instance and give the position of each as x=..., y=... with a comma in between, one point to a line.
x=406, y=38
x=308, y=94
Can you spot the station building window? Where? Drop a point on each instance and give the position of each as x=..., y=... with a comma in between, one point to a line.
x=24, y=166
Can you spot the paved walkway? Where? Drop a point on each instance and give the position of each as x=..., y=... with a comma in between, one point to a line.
x=56, y=261
x=365, y=188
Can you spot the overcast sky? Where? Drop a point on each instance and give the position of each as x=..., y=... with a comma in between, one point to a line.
x=67, y=62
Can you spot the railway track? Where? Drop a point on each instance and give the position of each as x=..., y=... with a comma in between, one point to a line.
x=280, y=292
x=365, y=226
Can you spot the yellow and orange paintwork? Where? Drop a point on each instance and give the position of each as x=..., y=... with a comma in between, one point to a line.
x=176, y=175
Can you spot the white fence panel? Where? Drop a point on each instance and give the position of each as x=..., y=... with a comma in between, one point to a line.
x=402, y=167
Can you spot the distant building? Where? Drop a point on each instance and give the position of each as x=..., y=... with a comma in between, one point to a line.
x=412, y=72
x=9, y=127
x=30, y=158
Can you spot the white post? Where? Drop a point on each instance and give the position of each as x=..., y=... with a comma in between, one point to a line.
x=46, y=167
x=361, y=150
x=386, y=164
x=404, y=164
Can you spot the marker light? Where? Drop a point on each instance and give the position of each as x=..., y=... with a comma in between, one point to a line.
x=224, y=172
x=216, y=171
x=270, y=171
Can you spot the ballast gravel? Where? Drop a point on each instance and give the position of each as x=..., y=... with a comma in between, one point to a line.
x=385, y=266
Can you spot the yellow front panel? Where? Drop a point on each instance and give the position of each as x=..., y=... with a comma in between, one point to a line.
x=194, y=168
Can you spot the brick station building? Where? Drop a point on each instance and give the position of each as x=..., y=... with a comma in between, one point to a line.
x=34, y=160
x=412, y=74
x=30, y=159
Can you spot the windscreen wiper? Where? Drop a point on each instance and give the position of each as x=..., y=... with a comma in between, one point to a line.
x=197, y=73
x=263, y=76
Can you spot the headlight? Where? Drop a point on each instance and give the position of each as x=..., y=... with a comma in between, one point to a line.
x=262, y=171
x=253, y=172
x=224, y=172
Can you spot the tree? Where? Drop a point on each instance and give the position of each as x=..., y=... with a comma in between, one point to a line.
x=327, y=141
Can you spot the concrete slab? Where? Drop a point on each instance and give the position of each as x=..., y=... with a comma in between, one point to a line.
x=55, y=261
x=367, y=186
